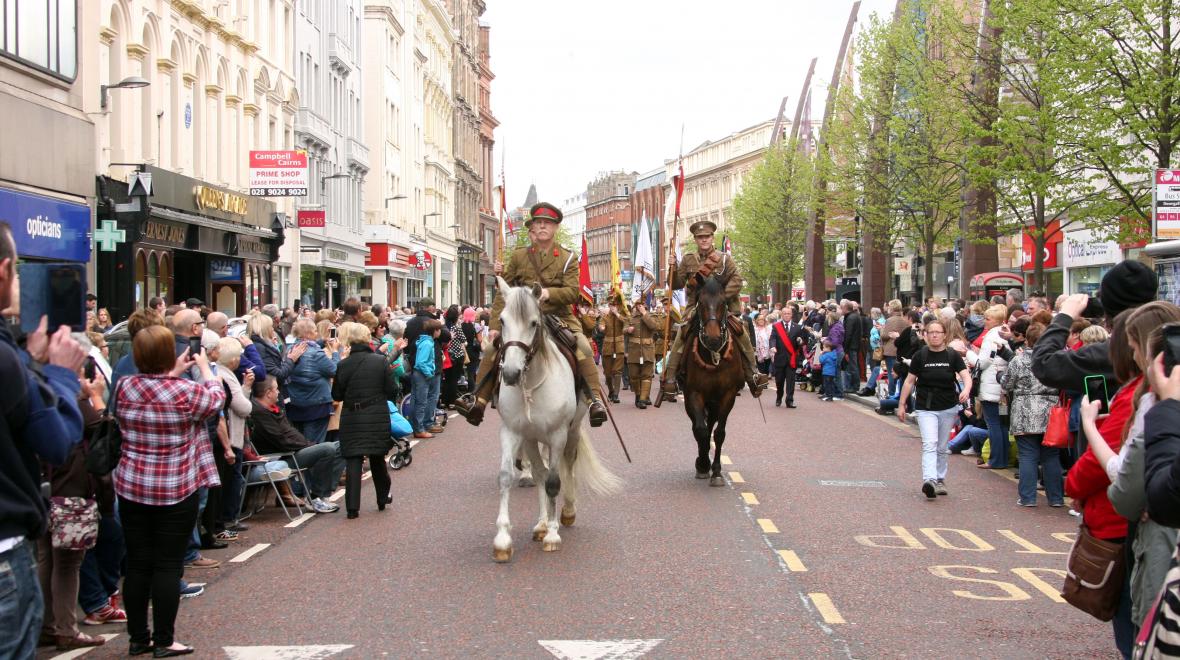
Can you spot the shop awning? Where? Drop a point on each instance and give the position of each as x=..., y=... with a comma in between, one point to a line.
x=221, y=225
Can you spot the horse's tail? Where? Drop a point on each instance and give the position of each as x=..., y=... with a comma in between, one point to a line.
x=586, y=472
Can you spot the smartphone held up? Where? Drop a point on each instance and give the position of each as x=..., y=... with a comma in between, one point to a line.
x=53, y=290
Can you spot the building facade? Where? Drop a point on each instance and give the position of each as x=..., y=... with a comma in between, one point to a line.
x=172, y=155
x=573, y=218
x=329, y=125
x=649, y=200
x=48, y=201
x=488, y=209
x=467, y=147
x=713, y=175
x=608, y=223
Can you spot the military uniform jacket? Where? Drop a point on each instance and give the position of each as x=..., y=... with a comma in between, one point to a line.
x=687, y=269
x=642, y=344
x=558, y=273
x=612, y=334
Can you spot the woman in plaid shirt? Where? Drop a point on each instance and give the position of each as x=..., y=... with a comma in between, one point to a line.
x=166, y=458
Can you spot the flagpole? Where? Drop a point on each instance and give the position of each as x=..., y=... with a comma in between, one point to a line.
x=678, y=190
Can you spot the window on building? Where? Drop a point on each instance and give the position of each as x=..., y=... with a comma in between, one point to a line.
x=41, y=33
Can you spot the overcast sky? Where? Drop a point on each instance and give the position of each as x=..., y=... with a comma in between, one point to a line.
x=584, y=87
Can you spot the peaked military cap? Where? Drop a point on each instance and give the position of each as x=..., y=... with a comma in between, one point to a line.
x=702, y=227
x=544, y=210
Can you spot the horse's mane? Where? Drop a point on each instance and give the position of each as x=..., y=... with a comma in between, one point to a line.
x=713, y=286
x=520, y=304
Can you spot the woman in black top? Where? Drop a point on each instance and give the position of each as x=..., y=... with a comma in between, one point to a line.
x=937, y=371
x=474, y=346
x=456, y=348
x=364, y=384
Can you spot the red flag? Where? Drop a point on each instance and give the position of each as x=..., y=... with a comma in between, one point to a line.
x=678, y=183
x=584, y=275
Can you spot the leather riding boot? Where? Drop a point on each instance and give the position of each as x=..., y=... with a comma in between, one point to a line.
x=754, y=378
x=472, y=406
x=668, y=387
x=589, y=371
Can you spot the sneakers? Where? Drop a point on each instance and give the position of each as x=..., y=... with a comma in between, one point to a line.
x=825, y=398
x=970, y=452
x=203, y=562
x=1026, y=504
x=104, y=615
x=838, y=398
x=226, y=535
x=281, y=474
x=940, y=487
x=435, y=430
x=929, y=489
x=319, y=505
x=192, y=590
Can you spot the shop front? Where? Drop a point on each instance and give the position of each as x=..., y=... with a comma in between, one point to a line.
x=985, y=286
x=184, y=238
x=1087, y=258
x=1053, y=282
x=46, y=228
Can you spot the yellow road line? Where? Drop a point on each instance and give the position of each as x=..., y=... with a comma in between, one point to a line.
x=736, y=477
x=725, y=460
x=792, y=561
x=750, y=498
x=826, y=609
x=767, y=526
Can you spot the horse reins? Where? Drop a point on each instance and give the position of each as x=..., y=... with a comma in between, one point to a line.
x=725, y=343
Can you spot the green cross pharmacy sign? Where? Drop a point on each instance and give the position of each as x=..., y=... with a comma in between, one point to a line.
x=109, y=236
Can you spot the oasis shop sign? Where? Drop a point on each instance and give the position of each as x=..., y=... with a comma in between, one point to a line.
x=1082, y=248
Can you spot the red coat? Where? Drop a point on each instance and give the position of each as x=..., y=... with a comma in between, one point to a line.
x=1087, y=480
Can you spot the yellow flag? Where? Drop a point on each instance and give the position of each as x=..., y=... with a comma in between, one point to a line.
x=616, y=275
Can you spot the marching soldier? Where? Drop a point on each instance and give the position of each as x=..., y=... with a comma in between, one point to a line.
x=641, y=351
x=555, y=268
x=689, y=274
x=612, y=348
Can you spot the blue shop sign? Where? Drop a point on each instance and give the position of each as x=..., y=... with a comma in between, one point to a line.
x=47, y=228
x=225, y=270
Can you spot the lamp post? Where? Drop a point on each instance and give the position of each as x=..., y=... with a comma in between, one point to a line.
x=318, y=275
x=390, y=199
x=130, y=82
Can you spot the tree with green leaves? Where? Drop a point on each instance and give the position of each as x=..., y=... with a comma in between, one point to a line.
x=770, y=217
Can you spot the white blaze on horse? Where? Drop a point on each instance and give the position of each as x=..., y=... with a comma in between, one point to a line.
x=540, y=408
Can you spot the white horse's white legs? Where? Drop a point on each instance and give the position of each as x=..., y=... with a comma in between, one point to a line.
x=502, y=544
x=552, y=540
x=539, y=474
x=569, y=484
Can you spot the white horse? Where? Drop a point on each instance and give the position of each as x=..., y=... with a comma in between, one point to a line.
x=538, y=407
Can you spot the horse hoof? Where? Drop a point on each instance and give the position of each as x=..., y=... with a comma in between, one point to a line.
x=525, y=482
x=702, y=475
x=539, y=534
x=567, y=520
x=551, y=546
x=502, y=556
x=717, y=481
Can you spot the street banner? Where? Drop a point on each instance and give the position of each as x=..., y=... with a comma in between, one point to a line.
x=278, y=173
x=310, y=218
x=1165, y=204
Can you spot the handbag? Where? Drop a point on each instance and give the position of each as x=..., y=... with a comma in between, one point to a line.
x=1158, y=636
x=1057, y=430
x=878, y=354
x=1094, y=575
x=334, y=420
x=73, y=523
x=106, y=445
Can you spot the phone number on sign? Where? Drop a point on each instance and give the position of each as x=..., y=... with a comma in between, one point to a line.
x=278, y=192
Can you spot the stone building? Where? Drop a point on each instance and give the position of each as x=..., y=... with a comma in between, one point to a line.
x=649, y=199
x=468, y=146
x=488, y=216
x=608, y=222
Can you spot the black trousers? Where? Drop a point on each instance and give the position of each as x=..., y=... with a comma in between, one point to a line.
x=157, y=538
x=212, y=520
x=784, y=382
x=352, y=482
x=450, y=383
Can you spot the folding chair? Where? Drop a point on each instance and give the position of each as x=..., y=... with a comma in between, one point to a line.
x=298, y=473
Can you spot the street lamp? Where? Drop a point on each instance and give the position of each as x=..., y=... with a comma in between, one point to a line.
x=130, y=82
x=429, y=215
x=338, y=175
x=390, y=199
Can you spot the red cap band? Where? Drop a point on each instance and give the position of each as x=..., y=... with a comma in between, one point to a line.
x=548, y=214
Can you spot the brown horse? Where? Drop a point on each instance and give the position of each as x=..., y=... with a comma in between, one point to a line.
x=713, y=376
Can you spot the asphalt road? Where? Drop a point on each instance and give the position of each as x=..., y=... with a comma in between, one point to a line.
x=820, y=545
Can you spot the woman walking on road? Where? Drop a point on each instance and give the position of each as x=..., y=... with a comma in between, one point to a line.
x=935, y=370
x=364, y=384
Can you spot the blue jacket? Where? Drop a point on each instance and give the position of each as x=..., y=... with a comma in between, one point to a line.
x=424, y=355
x=830, y=361
x=310, y=380
x=251, y=359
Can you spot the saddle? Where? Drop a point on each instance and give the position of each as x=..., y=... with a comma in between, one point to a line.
x=567, y=345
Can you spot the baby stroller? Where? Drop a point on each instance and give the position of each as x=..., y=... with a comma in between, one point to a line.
x=809, y=375
x=399, y=430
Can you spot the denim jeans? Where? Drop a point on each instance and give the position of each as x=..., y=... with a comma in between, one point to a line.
x=830, y=386
x=324, y=466
x=935, y=426
x=103, y=565
x=997, y=434
x=233, y=492
x=315, y=430
x=874, y=375
x=432, y=403
x=852, y=372
x=21, y=605
x=194, y=544
x=1031, y=453
x=420, y=390
x=889, y=362
x=969, y=436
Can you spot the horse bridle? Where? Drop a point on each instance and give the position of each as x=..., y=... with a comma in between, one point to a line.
x=714, y=353
x=529, y=349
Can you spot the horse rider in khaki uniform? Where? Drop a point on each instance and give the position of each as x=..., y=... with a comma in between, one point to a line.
x=555, y=269
x=613, y=357
x=689, y=275
x=641, y=351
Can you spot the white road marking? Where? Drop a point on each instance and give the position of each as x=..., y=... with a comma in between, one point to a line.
x=311, y=652
x=337, y=496
x=258, y=547
x=452, y=415
x=366, y=476
x=81, y=652
x=606, y=649
x=300, y=520
x=414, y=443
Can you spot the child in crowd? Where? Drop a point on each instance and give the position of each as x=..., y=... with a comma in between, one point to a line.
x=1094, y=334
x=829, y=360
x=425, y=367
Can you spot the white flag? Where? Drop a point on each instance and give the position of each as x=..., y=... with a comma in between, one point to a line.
x=644, y=263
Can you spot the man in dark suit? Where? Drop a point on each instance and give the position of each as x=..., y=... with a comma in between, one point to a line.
x=787, y=338
x=853, y=334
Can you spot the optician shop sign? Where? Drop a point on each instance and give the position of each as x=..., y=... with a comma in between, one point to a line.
x=278, y=173
x=45, y=227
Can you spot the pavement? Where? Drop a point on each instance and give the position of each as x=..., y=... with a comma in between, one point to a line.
x=820, y=546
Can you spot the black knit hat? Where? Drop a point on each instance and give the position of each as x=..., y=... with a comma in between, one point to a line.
x=1129, y=284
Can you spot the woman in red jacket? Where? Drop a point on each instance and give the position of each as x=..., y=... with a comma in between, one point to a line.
x=1088, y=479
